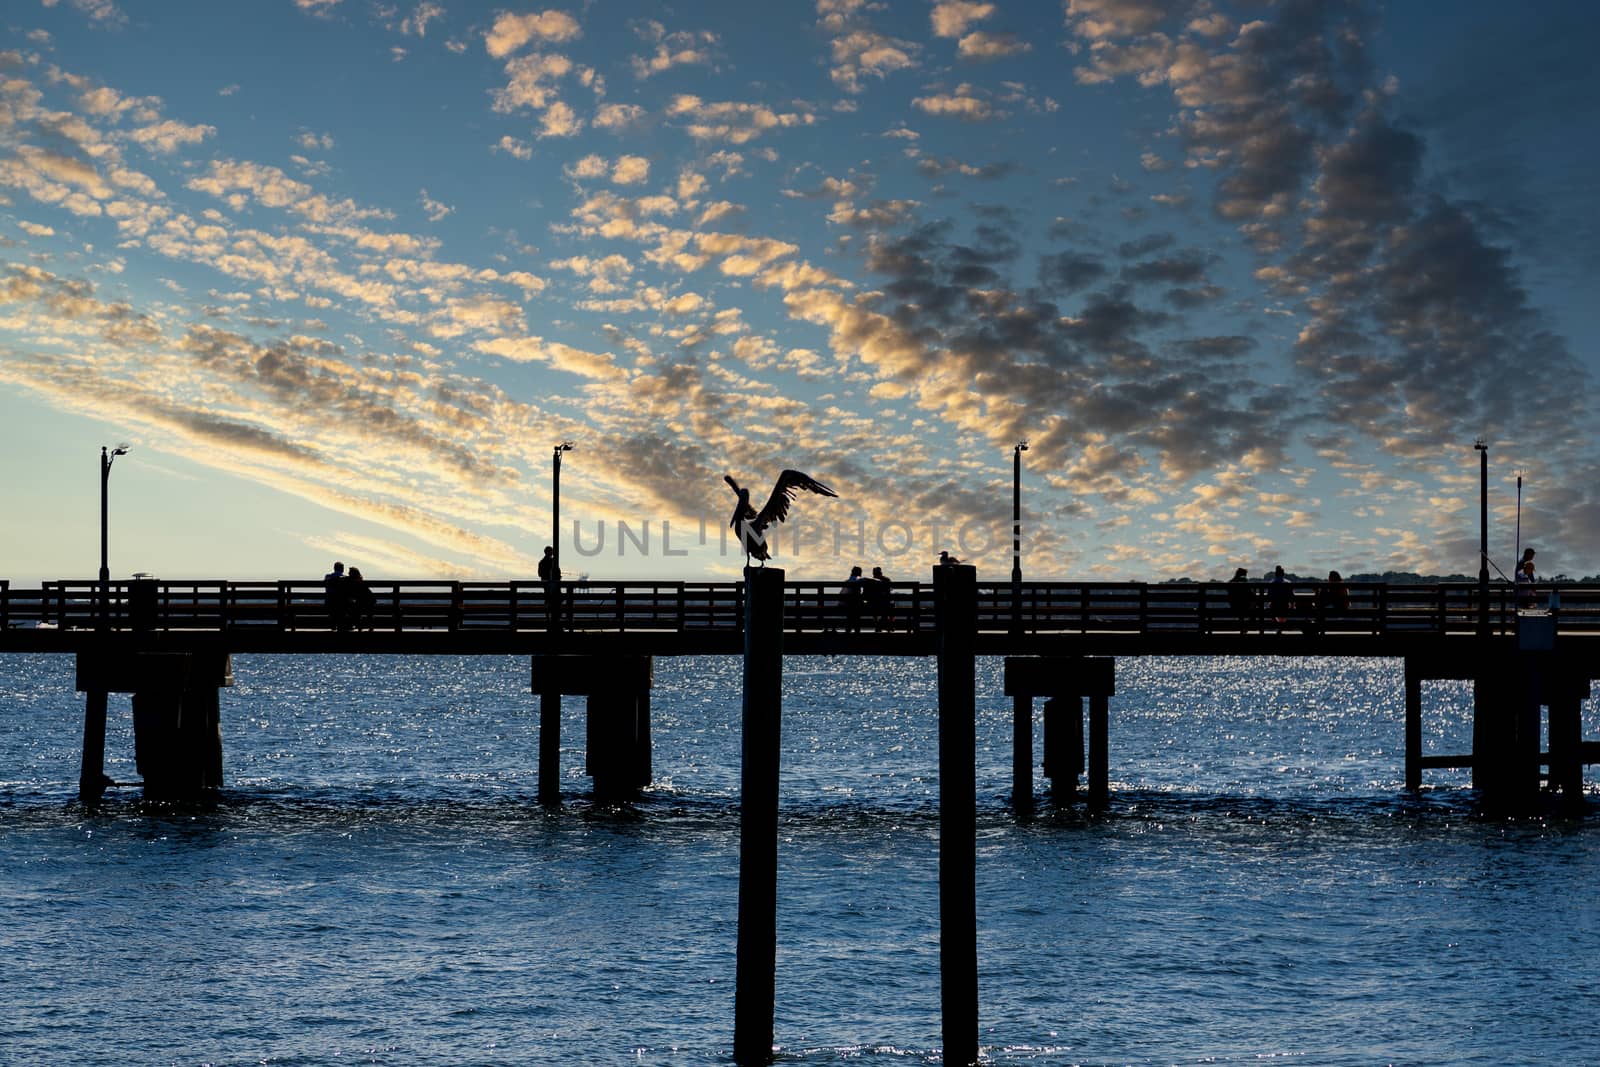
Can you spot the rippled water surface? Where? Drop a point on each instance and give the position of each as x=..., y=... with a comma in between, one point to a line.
x=377, y=883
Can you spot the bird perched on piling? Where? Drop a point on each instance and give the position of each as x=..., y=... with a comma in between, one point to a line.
x=752, y=524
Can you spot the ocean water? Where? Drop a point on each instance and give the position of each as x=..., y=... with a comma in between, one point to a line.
x=377, y=883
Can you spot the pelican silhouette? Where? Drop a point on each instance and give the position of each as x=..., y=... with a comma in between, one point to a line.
x=752, y=524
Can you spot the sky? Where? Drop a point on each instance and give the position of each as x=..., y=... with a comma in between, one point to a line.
x=1249, y=279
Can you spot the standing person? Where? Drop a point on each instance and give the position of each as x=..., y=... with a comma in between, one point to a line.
x=878, y=597
x=852, y=600
x=550, y=575
x=1240, y=597
x=1278, y=596
x=358, y=597
x=336, y=595
x=1335, y=597
x=1526, y=581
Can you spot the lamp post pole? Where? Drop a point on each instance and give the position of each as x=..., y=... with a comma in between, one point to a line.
x=555, y=504
x=1016, y=510
x=107, y=457
x=1483, y=537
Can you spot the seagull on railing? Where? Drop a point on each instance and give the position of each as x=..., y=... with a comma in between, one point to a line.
x=752, y=524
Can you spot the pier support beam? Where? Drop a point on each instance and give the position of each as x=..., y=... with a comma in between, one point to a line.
x=955, y=595
x=1063, y=745
x=1413, y=729
x=549, y=746
x=177, y=731
x=1066, y=681
x=1099, y=750
x=761, y=731
x=92, y=772
x=1022, y=754
x=618, y=721
x=1508, y=691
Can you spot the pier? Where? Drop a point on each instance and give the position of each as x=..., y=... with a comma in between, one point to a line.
x=171, y=644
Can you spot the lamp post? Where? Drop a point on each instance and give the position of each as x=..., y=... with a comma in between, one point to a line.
x=1016, y=510
x=106, y=459
x=1483, y=536
x=555, y=504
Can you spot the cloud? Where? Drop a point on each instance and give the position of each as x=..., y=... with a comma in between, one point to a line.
x=417, y=22
x=618, y=118
x=630, y=170
x=99, y=12
x=951, y=18
x=559, y=120
x=981, y=45
x=965, y=104
x=170, y=135
x=513, y=147
x=530, y=84
x=856, y=49
x=678, y=49
x=511, y=32
x=730, y=121
x=435, y=211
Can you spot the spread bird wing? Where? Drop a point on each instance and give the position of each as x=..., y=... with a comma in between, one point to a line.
x=776, y=509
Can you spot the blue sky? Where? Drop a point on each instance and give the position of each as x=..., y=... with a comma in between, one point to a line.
x=1250, y=279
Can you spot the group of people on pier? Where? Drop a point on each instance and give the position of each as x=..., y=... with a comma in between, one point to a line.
x=869, y=593
x=1245, y=599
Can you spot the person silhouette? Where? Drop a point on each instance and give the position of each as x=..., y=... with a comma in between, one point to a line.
x=337, y=596
x=853, y=586
x=878, y=597
x=358, y=600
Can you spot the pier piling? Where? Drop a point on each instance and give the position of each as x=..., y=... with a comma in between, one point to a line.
x=549, y=746
x=1099, y=750
x=92, y=773
x=1022, y=754
x=1063, y=745
x=956, y=604
x=761, y=722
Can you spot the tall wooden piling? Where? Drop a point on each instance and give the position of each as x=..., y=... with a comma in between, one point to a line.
x=550, y=692
x=956, y=599
x=761, y=723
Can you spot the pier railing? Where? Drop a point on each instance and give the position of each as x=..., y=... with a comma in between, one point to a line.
x=810, y=607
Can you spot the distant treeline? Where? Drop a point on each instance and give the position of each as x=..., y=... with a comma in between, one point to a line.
x=1396, y=578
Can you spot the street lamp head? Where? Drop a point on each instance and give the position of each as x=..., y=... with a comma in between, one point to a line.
x=1022, y=446
x=121, y=450
x=564, y=446
x=1481, y=445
